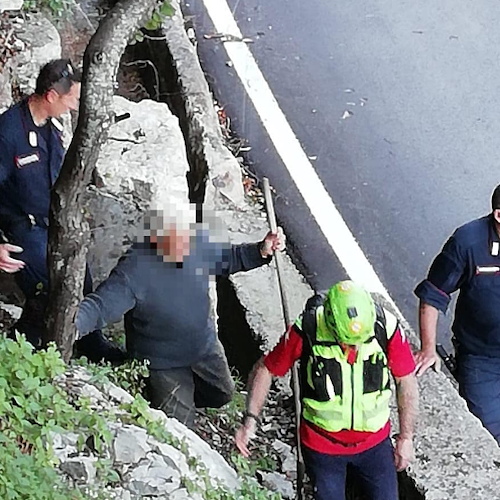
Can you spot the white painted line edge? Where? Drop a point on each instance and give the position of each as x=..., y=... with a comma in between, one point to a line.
x=293, y=156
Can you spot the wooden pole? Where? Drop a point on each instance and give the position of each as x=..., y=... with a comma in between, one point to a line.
x=271, y=216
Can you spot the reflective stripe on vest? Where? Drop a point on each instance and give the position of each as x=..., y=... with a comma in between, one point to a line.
x=338, y=395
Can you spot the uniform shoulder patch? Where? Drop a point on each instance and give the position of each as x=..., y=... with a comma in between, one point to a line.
x=57, y=124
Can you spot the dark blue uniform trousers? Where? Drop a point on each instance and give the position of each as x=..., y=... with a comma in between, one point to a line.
x=375, y=469
x=479, y=385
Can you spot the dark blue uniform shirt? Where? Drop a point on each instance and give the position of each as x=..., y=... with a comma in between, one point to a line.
x=30, y=161
x=469, y=262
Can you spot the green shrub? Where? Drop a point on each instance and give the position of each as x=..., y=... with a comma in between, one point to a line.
x=55, y=8
x=31, y=408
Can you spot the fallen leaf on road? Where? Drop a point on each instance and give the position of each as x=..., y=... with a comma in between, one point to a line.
x=313, y=157
x=226, y=37
x=347, y=114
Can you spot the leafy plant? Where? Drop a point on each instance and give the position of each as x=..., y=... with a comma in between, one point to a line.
x=55, y=8
x=233, y=411
x=159, y=14
x=31, y=409
x=130, y=375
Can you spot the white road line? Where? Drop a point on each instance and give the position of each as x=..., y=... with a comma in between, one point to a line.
x=296, y=161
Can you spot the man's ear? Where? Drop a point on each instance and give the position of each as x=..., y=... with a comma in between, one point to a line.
x=51, y=96
x=496, y=215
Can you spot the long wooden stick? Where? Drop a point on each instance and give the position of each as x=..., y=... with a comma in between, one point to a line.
x=271, y=216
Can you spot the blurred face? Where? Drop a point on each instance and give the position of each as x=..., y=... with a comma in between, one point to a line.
x=62, y=103
x=173, y=244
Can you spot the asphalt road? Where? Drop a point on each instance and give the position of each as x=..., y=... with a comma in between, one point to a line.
x=394, y=103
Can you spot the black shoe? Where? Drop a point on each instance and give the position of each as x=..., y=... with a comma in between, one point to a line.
x=96, y=347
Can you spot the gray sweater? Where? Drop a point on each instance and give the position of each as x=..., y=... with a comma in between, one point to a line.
x=166, y=305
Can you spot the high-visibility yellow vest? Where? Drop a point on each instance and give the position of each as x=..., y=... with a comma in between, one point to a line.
x=337, y=395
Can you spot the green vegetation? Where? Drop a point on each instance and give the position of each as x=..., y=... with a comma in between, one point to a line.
x=130, y=375
x=159, y=15
x=33, y=408
x=57, y=9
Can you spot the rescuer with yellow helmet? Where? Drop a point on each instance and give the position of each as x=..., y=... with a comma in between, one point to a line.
x=348, y=346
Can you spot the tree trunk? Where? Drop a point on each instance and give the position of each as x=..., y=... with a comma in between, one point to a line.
x=68, y=231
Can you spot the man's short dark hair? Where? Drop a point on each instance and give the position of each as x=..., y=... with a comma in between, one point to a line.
x=495, y=198
x=59, y=75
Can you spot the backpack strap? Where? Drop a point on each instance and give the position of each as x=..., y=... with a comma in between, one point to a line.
x=309, y=324
x=381, y=328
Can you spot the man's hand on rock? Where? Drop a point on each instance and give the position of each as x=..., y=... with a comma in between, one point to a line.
x=7, y=263
x=272, y=242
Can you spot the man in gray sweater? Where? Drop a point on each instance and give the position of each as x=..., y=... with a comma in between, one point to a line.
x=162, y=287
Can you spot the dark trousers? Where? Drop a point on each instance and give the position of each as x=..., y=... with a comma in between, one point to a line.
x=33, y=280
x=179, y=391
x=375, y=470
x=479, y=385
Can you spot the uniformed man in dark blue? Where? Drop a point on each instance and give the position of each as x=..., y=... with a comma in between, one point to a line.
x=469, y=262
x=31, y=156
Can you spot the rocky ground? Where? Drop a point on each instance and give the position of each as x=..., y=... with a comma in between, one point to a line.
x=273, y=460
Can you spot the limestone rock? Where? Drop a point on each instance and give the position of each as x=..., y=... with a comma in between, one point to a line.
x=154, y=477
x=5, y=92
x=80, y=469
x=217, y=467
x=118, y=394
x=130, y=445
x=10, y=5
x=278, y=483
x=203, y=131
x=143, y=163
x=42, y=44
x=172, y=457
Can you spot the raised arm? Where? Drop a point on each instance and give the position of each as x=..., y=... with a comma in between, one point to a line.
x=235, y=258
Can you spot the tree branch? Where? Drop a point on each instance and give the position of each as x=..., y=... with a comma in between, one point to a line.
x=67, y=232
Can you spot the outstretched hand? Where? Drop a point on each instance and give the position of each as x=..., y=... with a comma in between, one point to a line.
x=7, y=263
